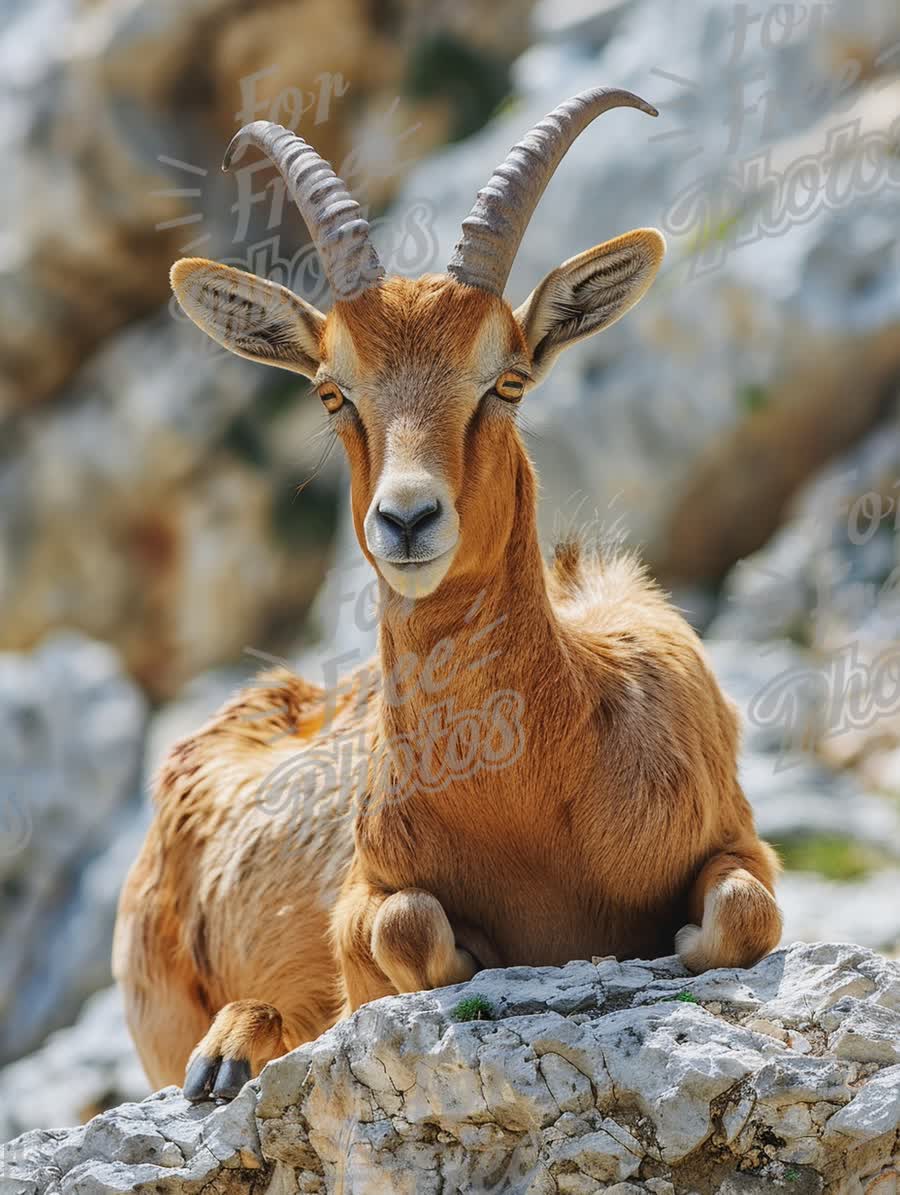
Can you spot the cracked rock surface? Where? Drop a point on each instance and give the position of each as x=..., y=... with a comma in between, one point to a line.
x=598, y=1076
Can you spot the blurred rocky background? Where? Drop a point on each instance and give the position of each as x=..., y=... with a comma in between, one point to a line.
x=741, y=427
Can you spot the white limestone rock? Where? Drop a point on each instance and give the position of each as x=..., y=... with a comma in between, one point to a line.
x=77, y=1072
x=584, y=1081
x=71, y=732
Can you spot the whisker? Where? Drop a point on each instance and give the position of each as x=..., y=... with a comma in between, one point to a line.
x=321, y=432
x=528, y=429
x=326, y=453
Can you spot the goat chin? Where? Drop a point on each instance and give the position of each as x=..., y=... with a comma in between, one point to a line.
x=418, y=581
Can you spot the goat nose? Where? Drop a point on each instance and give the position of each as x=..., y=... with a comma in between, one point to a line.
x=408, y=518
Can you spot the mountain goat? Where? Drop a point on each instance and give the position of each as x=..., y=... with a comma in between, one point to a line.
x=540, y=768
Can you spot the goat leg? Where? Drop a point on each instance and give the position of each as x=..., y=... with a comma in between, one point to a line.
x=391, y=942
x=738, y=918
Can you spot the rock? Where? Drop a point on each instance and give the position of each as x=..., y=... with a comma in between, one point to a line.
x=77, y=1072
x=830, y=579
x=873, y=1111
x=115, y=119
x=798, y=797
x=156, y=507
x=819, y=607
x=71, y=728
x=644, y=1089
x=792, y=789
x=863, y=910
x=153, y=503
x=591, y=22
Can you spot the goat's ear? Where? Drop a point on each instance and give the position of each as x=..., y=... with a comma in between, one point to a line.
x=587, y=293
x=249, y=315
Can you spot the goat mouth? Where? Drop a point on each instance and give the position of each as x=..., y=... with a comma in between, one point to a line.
x=416, y=578
x=410, y=566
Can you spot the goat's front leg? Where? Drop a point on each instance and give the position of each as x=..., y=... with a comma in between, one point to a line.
x=244, y=1036
x=390, y=942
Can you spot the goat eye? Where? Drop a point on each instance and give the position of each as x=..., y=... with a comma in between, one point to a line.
x=510, y=386
x=331, y=396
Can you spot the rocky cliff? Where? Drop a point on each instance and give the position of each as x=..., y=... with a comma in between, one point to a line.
x=148, y=488
x=599, y=1076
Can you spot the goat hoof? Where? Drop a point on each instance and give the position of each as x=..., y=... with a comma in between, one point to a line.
x=233, y=1074
x=215, y=1078
x=244, y=1036
x=200, y=1079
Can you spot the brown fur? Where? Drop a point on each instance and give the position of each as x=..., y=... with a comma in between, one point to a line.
x=616, y=822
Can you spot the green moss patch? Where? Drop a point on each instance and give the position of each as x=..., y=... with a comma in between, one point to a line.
x=473, y=1008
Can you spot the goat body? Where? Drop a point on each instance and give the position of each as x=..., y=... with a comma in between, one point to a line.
x=540, y=767
x=606, y=811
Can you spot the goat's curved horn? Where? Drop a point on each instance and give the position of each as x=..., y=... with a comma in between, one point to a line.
x=493, y=230
x=339, y=233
